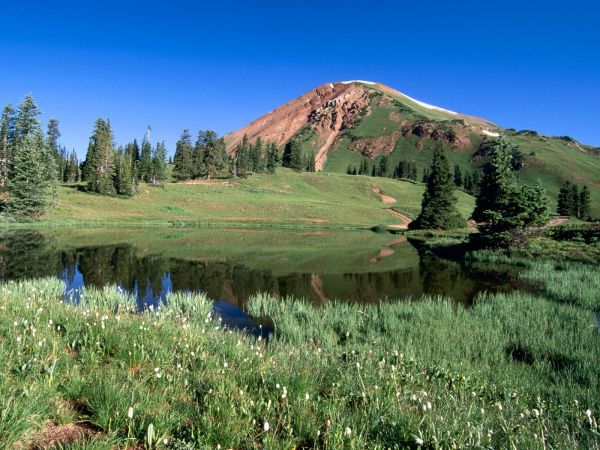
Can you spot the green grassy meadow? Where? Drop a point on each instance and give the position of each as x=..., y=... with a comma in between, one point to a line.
x=514, y=370
x=288, y=198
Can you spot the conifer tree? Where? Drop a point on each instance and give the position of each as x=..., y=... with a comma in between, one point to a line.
x=311, y=163
x=52, y=136
x=26, y=120
x=585, y=208
x=425, y=175
x=100, y=159
x=71, y=169
x=574, y=198
x=273, y=159
x=159, y=166
x=438, y=208
x=257, y=156
x=292, y=155
x=563, y=205
x=458, y=177
x=213, y=154
x=383, y=166
x=30, y=184
x=144, y=168
x=498, y=186
x=7, y=134
x=124, y=180
x=183, y=160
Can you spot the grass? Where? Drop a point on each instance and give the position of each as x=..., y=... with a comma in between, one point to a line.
x=286, y=199
x=513, y=370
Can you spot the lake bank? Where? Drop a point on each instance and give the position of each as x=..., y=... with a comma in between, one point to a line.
x=512, y=369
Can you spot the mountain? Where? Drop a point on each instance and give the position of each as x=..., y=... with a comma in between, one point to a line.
x=344, y=122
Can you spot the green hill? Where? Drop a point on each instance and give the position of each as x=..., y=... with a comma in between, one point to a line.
x=344, y=122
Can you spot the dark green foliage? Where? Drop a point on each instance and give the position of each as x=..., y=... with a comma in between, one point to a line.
x=273, y=159
x=124, y=183
x=408, y=170
x=52, y=136
x=7, y=133
x=257, y=157
x=292, y=155
x=438, y=209
x=425, y=175
x=71, y=171
x=30, y=184
x=159, y=166
x=183, y=160
x=585, y=203
x=504, y=208
x=213, y=151
x=383, y=166
x=26, y=120
x=144, y=168
x=364, y=167
x=311, y=162
x=458, y=177
x=100, y=159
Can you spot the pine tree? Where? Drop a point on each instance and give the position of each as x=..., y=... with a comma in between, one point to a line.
x=30, y=184
x=311, y=163
x=413, y=172
x=438, y=208
x=213, y=155
x=292, y=155
x=243, y=156
x=458, y=178
x=26, y=120
x=71, y=169
x=7, y=134
x=383, y=166
x=145, y=163
x=159, y=166
x=573, y=197
x=232, y=167
x=183, y=160
x=124, y=182
x=257, y=156
x=52, y=136
x=100, y=159
x=498, y=186
x=563, y=205
x=364, y=167
x=585, y=208
x=273, y=159
x=467, y=181
x=425, y=175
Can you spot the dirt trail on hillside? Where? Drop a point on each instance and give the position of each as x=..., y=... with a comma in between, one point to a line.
x=405, y=220
x=384, y=198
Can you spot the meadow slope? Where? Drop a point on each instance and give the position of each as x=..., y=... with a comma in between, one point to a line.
x=287, y=198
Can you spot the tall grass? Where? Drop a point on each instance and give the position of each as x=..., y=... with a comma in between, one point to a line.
x=514, y=370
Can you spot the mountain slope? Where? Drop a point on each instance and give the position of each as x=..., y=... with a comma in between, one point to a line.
x=344, y=122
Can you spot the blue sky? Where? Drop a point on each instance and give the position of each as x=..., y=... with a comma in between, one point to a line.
x=185, y=64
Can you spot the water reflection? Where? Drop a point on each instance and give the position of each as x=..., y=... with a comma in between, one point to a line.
x=232, y=278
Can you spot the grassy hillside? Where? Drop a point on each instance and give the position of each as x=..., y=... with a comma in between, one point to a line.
x=286, y=198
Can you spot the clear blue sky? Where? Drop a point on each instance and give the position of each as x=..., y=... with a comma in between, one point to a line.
x=218, y=65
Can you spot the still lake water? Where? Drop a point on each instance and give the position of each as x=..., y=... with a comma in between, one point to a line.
x=232, y=265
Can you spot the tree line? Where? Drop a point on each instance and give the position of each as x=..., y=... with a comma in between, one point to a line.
x=503, y=208
x=574, y=201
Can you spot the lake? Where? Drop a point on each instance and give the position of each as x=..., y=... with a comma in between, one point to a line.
x=231, y=265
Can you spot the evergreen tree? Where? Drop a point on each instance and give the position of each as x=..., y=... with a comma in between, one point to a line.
x=498, y=186
x=124, y=182
x=52, y=136
x=364, y=167
x=383, y=166
x=438, y=208
x=26, y=120
x=100, y=159
x=574, y=197
x=71, y=169
x=585, y=208
x=233, y=161
x=257, y=156
x=503, y=206
x=243, y=154
x=183, y=160
x=159, y=166
x=273, y=159
x=458, y=178
x=563, y=206
x=30, y=184
x=213, y=154
x=467, y=181
x=311, y=163
x=413, y=172
x=145, y=163
x=292, y=155
x=7, y=134
x=374, y=170
x=425, y=175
